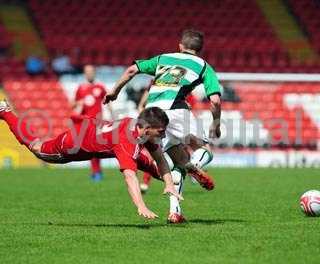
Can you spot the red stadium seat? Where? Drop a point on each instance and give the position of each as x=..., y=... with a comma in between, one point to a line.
x=156, y=28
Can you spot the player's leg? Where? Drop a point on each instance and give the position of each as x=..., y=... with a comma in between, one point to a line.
x=180, y=125
x=201, y=155
x=46, y=151
x=185, y=128
x=96, y=170
x=19, y=127
x=178, y=156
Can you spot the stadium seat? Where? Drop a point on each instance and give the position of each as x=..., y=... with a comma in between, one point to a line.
x=117, y=42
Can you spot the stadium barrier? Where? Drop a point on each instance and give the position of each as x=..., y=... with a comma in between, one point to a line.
x=9, y=158
x=290, y=101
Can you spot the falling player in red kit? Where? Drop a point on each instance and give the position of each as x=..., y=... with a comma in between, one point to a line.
x=90, y=138
x=88, y=101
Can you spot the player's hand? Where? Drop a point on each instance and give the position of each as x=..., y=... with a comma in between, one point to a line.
x=169, y=189
x=214, y=131
x=109, y=97
x=146, y=213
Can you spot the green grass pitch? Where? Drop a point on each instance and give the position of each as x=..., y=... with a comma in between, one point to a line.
x=253, y=216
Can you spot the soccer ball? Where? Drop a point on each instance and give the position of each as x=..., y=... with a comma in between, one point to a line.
x=310, y=203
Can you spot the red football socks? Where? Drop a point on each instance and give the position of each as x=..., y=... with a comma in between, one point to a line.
x=20, y=128
x=95, y=165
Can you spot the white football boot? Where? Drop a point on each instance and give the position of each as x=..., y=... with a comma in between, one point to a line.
x=4, y=106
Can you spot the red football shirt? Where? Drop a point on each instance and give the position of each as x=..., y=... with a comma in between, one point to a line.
x=92, y=95
x=117, y=139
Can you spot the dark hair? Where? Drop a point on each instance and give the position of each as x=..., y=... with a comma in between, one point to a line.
x=153, y=116
x=192, y=39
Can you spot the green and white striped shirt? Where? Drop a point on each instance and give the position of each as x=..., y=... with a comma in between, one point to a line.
x=176, y=75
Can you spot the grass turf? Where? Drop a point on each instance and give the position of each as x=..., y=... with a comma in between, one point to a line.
x=59, y=216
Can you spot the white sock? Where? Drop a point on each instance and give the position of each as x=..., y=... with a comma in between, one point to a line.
x=178, y=182
x=201, y=157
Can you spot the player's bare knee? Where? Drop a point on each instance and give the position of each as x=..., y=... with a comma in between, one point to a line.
x=194, y=142
x=178, y=155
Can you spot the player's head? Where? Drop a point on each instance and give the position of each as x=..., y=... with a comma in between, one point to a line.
x=191, y=40
x=89, y=72
x=153, y=122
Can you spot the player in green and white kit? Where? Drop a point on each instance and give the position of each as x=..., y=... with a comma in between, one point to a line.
x=176, y=75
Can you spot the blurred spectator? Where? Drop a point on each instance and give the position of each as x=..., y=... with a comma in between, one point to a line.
x=75, y=60
x=35, y=65
x=61, y=64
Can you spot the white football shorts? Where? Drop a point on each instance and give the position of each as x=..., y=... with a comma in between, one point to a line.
x=182, y=123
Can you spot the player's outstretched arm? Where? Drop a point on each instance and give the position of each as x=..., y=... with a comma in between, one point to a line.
x=164, y=170
x=216, y=115
x=135, y=193
x=129, y=73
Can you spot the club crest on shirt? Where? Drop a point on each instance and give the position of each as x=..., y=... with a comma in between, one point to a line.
x=169, y=75
x=89, y=100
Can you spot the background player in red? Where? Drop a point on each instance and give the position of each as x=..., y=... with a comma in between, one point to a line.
x=87, y=139
x=88, y=101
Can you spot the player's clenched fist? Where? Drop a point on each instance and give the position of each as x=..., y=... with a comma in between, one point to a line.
x=109, y=97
